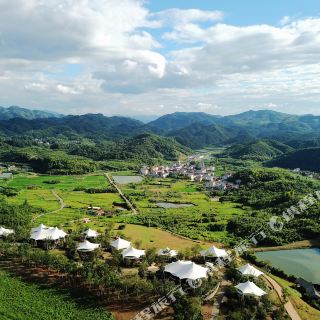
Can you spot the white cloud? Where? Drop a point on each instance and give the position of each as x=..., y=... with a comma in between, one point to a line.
x=128, y=67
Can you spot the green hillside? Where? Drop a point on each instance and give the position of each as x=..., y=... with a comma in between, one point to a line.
x=198, y=135
x=305, y=159
x=258, y=150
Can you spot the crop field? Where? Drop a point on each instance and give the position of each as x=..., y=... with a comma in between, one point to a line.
x=43, y=192
x=26, y=301
x=38, y=191
x=147, y=194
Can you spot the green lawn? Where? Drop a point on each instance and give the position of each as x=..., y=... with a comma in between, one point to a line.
x=26, y=301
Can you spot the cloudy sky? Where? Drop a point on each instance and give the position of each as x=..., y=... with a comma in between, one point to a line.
x=138, y=58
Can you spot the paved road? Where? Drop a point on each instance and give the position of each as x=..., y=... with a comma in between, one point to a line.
x=122, y=195
x=62, y=205
x=288, y=305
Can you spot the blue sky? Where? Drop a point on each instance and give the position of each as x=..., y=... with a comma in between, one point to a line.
x=138, y=58
x=246, y=12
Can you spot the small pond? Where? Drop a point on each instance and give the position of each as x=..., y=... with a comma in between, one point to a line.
x=304, y=263
x=170, y=205
x=127, y=179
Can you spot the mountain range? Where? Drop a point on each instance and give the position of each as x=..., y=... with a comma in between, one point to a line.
x=262, y=135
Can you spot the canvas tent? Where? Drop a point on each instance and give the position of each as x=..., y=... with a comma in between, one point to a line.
x=250, y=288
x=186, y=270
x=47, y=233
x=132, y=253
x=87, y=246
x=167, y=252
x=90, y=233
x=5, y=232
x=214, y=252
x=120, y=244
x=249, y=270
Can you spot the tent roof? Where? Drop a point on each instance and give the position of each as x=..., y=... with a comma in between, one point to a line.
x=250, y=288
x=167, y=252
x=248, y=269
x=186, y=270
x=214, y=252
x=87, y=246
x=5, y=232
x=120, y=244
x=89, y=233
x=132, y=253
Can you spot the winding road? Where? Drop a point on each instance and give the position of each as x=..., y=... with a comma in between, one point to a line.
x=62, y=205
x=293, y=314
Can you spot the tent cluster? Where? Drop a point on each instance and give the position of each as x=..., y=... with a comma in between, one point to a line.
x=5, y=232
x=249, y=288
x=128, y=252
x=43, y=232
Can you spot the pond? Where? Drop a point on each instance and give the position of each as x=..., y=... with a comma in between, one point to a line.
x=170, y=205
x=127, y=179
x=304, y=263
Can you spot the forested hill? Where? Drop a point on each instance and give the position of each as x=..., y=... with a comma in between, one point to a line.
x=18, y=112
x=89, y=125
x=305, y=159
x=259, y=150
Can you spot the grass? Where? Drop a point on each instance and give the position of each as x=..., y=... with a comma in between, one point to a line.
x=152, y=237
x=26, y=301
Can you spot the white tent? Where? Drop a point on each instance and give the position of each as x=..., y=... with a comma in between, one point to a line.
x=186, y=270
x=250, y=288
x=167, y=252
x=249, y=270
x=87, y=246
x=214, y=252
x=47, y=233
x=90, y=233
x=132, y=253
x=5, y=232
x=120, y=244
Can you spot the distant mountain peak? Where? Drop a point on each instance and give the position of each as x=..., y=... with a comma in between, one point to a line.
x=7, y=113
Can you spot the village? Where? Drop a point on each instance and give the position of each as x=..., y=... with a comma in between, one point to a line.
x=193, y=169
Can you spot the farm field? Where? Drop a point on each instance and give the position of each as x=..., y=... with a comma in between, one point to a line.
x=38, y=191
x=204, y=220
x=194, y=221
x=26, y=301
